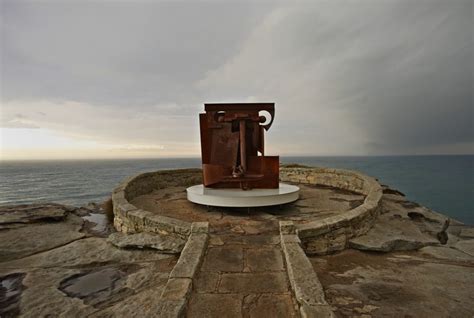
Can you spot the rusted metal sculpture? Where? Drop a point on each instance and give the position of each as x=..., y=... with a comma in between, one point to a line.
x=232, y=136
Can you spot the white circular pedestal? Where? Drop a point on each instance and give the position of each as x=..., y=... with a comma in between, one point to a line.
x=243, y=198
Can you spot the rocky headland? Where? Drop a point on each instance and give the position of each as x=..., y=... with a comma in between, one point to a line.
x=62, y=261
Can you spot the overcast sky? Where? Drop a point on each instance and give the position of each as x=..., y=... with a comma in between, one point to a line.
x=128, y=79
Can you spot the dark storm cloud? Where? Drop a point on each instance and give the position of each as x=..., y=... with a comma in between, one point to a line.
x=377, y=77
x=348, y=77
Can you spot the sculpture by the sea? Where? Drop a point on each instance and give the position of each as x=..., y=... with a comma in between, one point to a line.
x=236, y=171
x=232, y=137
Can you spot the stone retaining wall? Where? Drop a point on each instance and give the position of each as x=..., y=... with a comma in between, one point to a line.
x=333, y=233
x=130, y=219
x=318, y=237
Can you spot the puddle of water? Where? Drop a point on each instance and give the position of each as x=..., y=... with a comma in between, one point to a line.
x=100, y=220
x=99, y=287
x=10, y=292
x=84, y=285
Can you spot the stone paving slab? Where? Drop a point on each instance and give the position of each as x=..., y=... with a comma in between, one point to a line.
x=263, y=260
x=224, y=259
x=269, y=305
x=275, y=282
x=204, y=305
x=206, y=282
x=242, y=276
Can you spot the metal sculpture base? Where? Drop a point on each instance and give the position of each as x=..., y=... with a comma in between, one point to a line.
x=286, y=193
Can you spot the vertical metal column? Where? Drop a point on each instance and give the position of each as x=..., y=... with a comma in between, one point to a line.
x=243, y=149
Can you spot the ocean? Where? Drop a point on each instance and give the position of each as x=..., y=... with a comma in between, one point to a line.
x=442, y=183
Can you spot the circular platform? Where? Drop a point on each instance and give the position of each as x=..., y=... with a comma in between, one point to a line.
x=286, y=193
x=332, y=206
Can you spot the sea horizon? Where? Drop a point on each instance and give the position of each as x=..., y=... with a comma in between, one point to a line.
x=199, y=157
x=443, y=183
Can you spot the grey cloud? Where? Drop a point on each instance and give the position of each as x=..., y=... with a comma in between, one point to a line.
x=122, y=53
x=365, y=77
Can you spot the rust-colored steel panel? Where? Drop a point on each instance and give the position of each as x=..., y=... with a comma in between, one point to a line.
x=224, y=146
x=232, y=135
x=269, y=167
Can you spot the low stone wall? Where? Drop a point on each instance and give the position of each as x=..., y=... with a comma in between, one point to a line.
x=130, y=219
x=175, y=295
x=318, y=237
x=333, y=233
x=304, y=282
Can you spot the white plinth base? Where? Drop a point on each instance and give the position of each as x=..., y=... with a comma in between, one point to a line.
x=243, y=198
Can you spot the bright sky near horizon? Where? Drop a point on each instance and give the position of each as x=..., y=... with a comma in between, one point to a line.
x=108, y=79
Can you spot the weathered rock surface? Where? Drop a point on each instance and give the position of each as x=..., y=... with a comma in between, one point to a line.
x=435, y=280
x=142, y=304
x=85, y=252
x=46, y=291
x=392, y=235
x=166, y=244
x=446, y=253
x=467, y=233
x=466, y=246
x=431, y=282
x=38, y=237
x=65, y=268
x=32, y=213
x=11, y=288
x=52, y=269
x=404, y=225
x=387, y=190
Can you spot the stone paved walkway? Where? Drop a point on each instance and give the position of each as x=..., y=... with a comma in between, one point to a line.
x=242, y=276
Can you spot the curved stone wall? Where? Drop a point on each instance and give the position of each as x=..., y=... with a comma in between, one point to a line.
x=333, y=233
x=130, y=219
x=318, y=237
